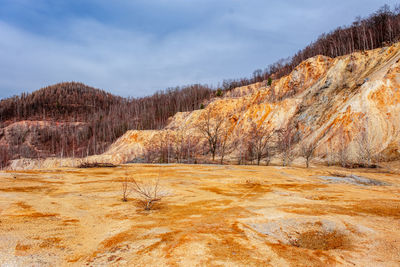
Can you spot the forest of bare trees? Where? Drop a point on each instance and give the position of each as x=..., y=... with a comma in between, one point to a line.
x=105, y=117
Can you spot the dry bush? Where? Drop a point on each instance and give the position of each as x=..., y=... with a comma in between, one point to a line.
x=148, y=193
x=125, y=188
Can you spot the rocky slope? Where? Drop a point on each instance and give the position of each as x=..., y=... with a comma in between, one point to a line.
x=330, y=102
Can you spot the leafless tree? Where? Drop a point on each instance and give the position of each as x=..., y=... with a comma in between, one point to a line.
x=259, y=143
x=240, y=144
x=286, y=140
x=307, y=151
x=184, y=146
x=212, y=129
x=223, y=148
x=160, y=148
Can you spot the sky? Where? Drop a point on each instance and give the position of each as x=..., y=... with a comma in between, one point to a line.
x=136, y=47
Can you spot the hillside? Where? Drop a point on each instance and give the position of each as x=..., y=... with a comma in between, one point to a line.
x=60, y=102
x=332, y=103
x=329, y=102
x=75, y=120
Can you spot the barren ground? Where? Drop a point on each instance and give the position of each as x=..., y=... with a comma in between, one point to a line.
x=215, y=215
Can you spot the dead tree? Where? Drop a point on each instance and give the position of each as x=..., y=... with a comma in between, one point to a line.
x=240, y=144
x=224, y=145
x=258, y=143
x=184, y=147
x=286, y=140
x=307, y=151
x=212, y=129
x=159, y=148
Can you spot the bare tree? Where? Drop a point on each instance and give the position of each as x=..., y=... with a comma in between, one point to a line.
x=212, y=129
x=224, y=144
x=259, y=143
x=286, y=140
x=159, y=148
x=184, y=146
x=240, y=144
x=307, y=151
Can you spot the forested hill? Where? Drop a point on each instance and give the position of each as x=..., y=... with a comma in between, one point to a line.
x=77, y=102
x=60, y=102
x=73, y=119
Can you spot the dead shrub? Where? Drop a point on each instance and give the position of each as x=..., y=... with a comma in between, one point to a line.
x=148, y=193
x=125, y=188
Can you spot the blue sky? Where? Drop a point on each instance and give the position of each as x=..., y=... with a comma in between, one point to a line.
x=133, y=48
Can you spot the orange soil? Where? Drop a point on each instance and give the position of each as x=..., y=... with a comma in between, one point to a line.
x=76, y=217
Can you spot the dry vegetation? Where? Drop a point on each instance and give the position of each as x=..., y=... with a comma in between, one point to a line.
x=147, y=192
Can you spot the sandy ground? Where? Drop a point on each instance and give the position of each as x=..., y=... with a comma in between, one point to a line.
x=214, y=216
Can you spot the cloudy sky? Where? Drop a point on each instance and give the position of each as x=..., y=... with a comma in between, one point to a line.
x=135, y=47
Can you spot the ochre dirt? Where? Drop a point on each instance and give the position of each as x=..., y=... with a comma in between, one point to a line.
x=213, y=216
